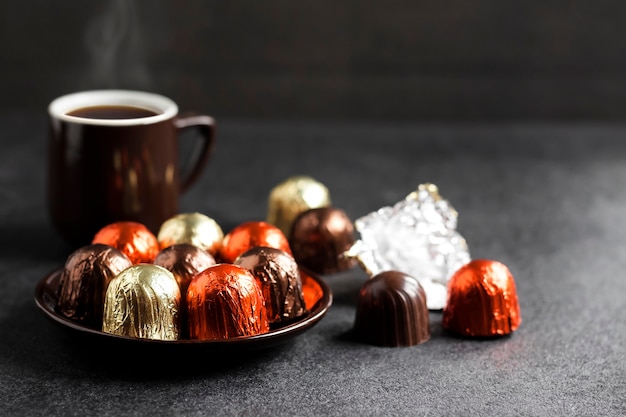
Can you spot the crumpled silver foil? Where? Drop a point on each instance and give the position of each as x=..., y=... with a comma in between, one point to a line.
x=416, y=236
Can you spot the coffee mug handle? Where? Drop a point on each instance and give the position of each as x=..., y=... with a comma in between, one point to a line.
x=206, y=126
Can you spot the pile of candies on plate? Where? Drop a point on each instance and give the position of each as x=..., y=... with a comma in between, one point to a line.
x=192, y=281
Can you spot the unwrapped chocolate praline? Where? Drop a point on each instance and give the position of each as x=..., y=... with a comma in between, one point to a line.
x=279, y=277
x=392, y=311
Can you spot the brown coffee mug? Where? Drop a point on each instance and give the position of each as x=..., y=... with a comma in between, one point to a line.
x=114, y=155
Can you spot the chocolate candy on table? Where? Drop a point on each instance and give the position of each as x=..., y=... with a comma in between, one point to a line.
x=320, y=237
x=482, y=300
x=392, y=311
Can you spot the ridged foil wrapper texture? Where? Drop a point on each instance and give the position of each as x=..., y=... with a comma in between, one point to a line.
x=416, y=236
x=134, y=239
x=194, y=228
x=144, y=302
x=225, y=301
x=185, y=261
x=249, y=234
x=293, y=196
x=279, y=277
x=482, y=300
x=84, y=281
x=319, y=239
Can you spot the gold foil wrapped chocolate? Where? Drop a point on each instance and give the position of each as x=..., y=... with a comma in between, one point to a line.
x=482, y=300
x=143, y=301
x=85, y=279
x=225, y=301
x=279, y=277
x=194, y=228
x=293, y=196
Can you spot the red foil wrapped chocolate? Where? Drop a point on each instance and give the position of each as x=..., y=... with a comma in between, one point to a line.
x=392, y=311
x=134, y=239
x=250, y=234
x=225, y=301
x=482, y=300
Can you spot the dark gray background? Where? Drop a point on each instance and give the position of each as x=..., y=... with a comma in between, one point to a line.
x=398, y=59
x=514, y=109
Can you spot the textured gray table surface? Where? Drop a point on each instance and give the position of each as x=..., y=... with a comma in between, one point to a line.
x=548, y=201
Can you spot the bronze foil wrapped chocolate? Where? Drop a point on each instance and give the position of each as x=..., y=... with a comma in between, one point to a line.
x=185, y=261
x=194, y=228
x=143, y=301
x=482, y=300
x=225, y=301
x=132, y=238
x=279, y=277
x=293, y=196
x=392, y=311
x=84, y=281
x=320, y=237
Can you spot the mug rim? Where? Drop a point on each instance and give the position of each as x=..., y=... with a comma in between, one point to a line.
x=60, y=106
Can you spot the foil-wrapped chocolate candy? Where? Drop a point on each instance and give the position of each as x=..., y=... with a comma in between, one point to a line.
x=132, y=238
x=250, y=234
x=194, y=228
x=143, y=301
x=416, y=236
x=391, y=311
x=319, y=238
x=279, y=277
x=84, y=281
x=293, y=196
x=482, y=300
x=225, y=301
x=185, y=261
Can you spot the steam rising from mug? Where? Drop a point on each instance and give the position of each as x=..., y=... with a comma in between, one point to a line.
x=115, y=44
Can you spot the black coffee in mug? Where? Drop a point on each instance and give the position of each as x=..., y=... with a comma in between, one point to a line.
x=112, y=112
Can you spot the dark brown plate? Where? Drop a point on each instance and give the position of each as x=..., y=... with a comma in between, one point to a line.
x=317, y=294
